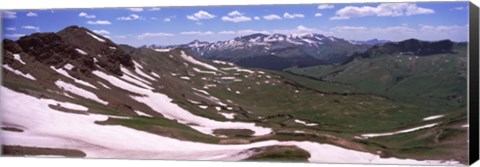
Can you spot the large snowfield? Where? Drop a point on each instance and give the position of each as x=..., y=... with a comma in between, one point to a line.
x=46, y=127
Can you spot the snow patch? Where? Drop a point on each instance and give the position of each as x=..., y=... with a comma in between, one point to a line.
x=79, y=91
x=142, y=113
x=81, y=51
x=228, y=115
x=194, y=61
x=432, y=117
x=96, y=37
x=18, y=58
x=305, y=123
x=17, y=72
x=398, y=132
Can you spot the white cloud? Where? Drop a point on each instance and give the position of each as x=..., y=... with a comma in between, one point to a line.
x=249, y=31
x=293, y=15
x=131, y=17
x=303, y=28
x=236, y=16
x=196, y=33
x=318, y=14
x=14, y=35
x=403, y=32
x=10, y=28
x=272, y=17
x=384, y=9
x=325, y=6
x=156, y=34
x=101, y=31
x=167, y=19
x=154, y=9
x=136, y=9
x=200, y=15
x=99, y=22
x=29, y=27
x=458, y=8
x=226, y=32
x=9, y=14
x=235, y=13
x=256, y=18
x=31, y=14
x=83, y=14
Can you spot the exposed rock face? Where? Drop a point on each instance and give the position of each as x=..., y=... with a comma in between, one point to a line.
x=74, y=45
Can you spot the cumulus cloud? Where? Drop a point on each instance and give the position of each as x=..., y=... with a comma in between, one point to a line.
x=14, y=35
x=226, y=32
x=236, y=16
x=325, y=6
x=10, y=28
x=318, y=14
x=272, y=17
x=154, y=9
x=29, y=27
x=9, y=14
x=83, y=14
x=384, y=9
x=101, y=32
x=256, y=18
x=398, y=33
x=200, y=15
x=99, y=22
x=136, y=9
x=155, y=34
x=293, y=15
x=196, y=33
x=31, y=14
x=130, y=17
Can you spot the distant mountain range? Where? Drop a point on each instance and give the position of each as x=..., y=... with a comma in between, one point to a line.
x=278, y=51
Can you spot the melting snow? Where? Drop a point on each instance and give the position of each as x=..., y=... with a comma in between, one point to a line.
x=204, y=72
x=81, y=51
x=162, y=104
x=228, y=115
x=305, y=123
x=432, y=117
x=201, y=91
x=218, y=108
x=194, y=61
x=68, y=66
x=54, y=129
x=18, y=72
x=155, y=75
x=163, y=50
x=142, y=113
x=65, y=73
x=104, y=85
x=203, y=107
x=79, y=91
x=96, y=37
x=138, y=71
x=185, y=77
x=398, y=132
x=18, y=58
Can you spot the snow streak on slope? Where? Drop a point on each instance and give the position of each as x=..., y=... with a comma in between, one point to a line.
x=163, y=104
x=194, y=61
x=46, y=127
x=79, y=91
x=18, y=72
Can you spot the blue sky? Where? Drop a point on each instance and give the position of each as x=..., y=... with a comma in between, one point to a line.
x=176, y=25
